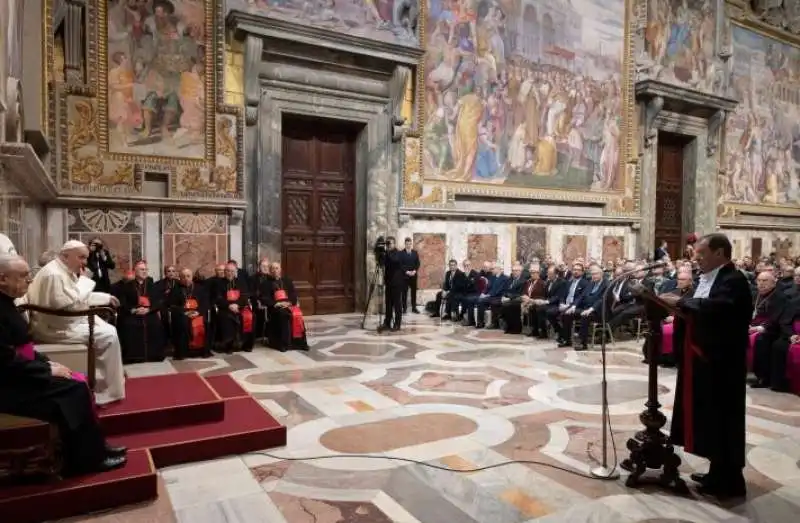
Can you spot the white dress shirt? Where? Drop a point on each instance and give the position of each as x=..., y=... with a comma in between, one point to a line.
x=706, y=282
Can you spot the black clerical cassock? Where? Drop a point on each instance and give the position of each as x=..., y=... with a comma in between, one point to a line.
x=188, y=307
x=234, y=328
x=28, y=388
x=711, y=347
x=141, y=332
x=286, y=326
x=260, y=287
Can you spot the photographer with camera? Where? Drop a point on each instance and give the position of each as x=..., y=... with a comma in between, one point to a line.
x=394, y=279
x=100, y=264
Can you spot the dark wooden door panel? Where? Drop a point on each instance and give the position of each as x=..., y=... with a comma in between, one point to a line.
x=318, y=214
x=669, y=197
x=756, y=245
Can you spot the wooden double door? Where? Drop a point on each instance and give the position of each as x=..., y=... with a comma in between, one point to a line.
x=669, y=193
x=318, y=212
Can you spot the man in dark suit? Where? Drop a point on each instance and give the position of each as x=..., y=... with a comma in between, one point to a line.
x=574, y=287
x=511, y=295
x=100, y=263
x=450, y=277
x=410, y=260
x=463, y=288
x=709, y=409
x=497, y=286
x=394, y=279
x=661, y=251
x=622, y=304
x=555, y=289
x=586, y=308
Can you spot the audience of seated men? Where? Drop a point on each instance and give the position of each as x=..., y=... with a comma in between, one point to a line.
x=770, y=331
x=573, y=290
x=35, y=387
x=511, y=294
x=516, y=310
x=59, y=285
x=585, y=309
x=683, y=283
x=141, y=332
x=622, y=305
x=476, y=305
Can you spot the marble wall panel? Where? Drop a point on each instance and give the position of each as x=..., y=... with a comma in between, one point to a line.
x=745, y=240
x=613, y=248
x=531, y=242
x=121, y=230
x=482, y=248
x=195, y=240
x=574, y=248
x=432, y=249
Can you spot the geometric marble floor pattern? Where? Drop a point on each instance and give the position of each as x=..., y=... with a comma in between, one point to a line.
x=460, y=399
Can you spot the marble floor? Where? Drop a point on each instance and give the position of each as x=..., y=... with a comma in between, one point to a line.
x=457, y=399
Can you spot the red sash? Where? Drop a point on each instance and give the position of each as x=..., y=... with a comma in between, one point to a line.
x=190, y=304
x=280, y=295
x=233, y=295
x=247, y=320
x=144, y=301
x=197, y=333
x=298, y=324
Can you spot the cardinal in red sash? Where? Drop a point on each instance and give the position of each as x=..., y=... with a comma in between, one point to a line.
x=188, y=307
x=286, y=327
x=141, y=333
x=234, y=328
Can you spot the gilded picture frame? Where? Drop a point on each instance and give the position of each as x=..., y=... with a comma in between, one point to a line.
x=619, y=202
x=741, y=15
x=60, y=97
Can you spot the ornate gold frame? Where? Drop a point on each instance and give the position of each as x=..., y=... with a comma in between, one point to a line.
x=96, y=87
x=616, y=203
x=741, y=15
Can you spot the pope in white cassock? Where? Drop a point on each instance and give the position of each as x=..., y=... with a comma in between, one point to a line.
x=58, y=285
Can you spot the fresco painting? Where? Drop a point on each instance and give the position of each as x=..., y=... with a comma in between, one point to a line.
x=680, y=39
x=763, y=134
x=156, y=77
x=525, y=93
x=385, y=20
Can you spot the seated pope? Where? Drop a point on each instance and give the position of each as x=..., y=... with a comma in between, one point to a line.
x=59, y=285
x=285, y=325
x=35, y=387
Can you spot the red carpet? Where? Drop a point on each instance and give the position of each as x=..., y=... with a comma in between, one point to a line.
x=165, y=420
x=135, y=482
x=156, y=402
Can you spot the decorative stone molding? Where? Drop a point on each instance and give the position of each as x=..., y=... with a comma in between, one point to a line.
x=714, y=126
x=74, y=43
x=237, y=217
x=253, y=54
x=15, y=120
x=652, y=110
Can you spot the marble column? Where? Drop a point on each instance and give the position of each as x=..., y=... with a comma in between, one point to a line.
x=153, y=246
x=254, y=48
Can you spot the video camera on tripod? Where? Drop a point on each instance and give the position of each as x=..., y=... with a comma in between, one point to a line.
x=380, y=252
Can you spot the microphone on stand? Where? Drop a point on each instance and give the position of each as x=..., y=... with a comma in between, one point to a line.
x=603, y=471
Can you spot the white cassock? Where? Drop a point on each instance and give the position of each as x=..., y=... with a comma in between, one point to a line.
x=56, y=287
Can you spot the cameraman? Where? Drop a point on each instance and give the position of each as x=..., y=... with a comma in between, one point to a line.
x=100, y=263
x=394, y=279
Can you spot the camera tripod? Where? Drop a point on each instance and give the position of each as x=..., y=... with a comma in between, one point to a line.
x=377, y=277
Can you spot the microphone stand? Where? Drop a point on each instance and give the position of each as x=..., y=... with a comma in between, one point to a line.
x=604, y=471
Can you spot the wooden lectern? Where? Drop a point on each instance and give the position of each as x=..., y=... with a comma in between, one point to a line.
x=651, y=448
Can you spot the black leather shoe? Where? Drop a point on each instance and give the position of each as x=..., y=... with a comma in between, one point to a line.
x=112, y=463
x=697, y=477
x=723, y=491
x=115, y=451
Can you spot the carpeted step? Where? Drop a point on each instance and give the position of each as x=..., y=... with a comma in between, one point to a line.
x=134, y=483
x=246, y=427
x=160, y=402
x=226, y=386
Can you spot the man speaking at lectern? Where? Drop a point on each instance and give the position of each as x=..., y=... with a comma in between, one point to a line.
x=709, y=411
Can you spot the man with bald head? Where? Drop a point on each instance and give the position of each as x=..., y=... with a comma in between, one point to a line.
x=770, y=331
x=188, y=306
x=59, y=285
x=234, y=321
x=35, y=387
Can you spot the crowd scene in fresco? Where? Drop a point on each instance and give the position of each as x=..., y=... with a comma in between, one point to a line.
x=563, y=302
x=515, y=97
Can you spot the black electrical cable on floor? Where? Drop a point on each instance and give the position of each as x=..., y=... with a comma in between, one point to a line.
x=610, y=476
